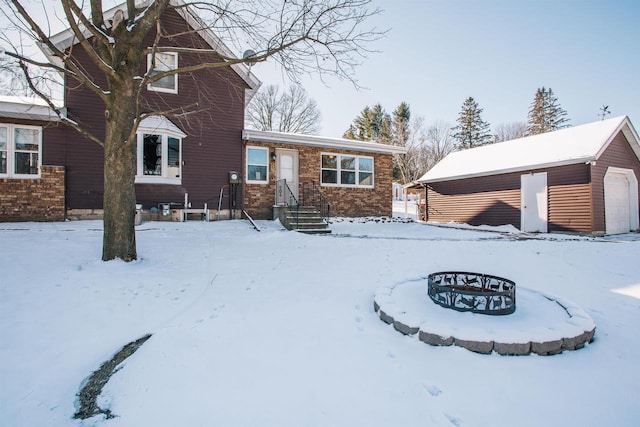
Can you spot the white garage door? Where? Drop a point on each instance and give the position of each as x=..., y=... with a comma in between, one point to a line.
x=616, y=204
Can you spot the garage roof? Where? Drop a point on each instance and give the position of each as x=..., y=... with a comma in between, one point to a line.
x=578, y=144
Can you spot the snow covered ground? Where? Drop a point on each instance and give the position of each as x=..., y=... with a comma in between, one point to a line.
x=276, y=328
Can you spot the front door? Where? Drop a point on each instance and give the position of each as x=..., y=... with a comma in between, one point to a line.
x=287, y=168
x=533, y=199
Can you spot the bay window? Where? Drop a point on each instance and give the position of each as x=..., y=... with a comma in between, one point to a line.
x=20, y=151
x=159, y=151
x=159, y=158
x=346, y=170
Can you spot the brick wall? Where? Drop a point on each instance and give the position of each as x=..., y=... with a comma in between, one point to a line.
x=345, y=201
x=39, y=199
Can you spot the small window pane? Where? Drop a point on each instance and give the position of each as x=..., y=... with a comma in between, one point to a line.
x=165, y=61
x=348, y=178
x=365, y=164
x=27, y=139
x=329, y=177
x=329, y=162
x=26, y=163
x=257, y=156
x=173, y=156
x=152, y=154
x=3, y=162
x=366, y=178
x=3, y=150
x=3, y=139
x=257, y=173
x=348, y=163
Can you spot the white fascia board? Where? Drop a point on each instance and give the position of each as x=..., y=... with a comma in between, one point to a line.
x=510, y=170
x=629, y=132
x=28, y=109
x=320, y=141
x=413, y=184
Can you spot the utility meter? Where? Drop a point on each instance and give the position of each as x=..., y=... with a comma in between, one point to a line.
x=235, y=178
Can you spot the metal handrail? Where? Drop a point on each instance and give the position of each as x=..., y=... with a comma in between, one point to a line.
x=312, y=196
x=285, y=197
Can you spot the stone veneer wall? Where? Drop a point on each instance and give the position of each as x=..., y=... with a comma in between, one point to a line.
x=40, y=199
x=345, y=201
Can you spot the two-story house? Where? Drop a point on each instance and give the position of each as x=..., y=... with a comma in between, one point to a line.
x=50, y=172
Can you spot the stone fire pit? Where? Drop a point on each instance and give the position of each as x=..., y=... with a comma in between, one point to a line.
x=544, y=324
x=478, y=293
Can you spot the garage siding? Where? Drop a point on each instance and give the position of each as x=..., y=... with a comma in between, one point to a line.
x=569, y=199
x=495, y=200
x=618, y=154
x=491, y=200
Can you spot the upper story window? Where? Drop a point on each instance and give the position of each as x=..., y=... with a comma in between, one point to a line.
x=20, y=151
x=347, y=170
x=159, y=152
x=164, y=61
x=257, y=165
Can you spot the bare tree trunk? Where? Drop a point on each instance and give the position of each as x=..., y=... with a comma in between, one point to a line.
x=119, y=200
x=299, y=35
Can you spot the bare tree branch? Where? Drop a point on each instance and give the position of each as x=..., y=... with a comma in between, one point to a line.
x=105, y=53
x=292, y=111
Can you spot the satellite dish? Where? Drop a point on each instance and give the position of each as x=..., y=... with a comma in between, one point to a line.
x=248, y=54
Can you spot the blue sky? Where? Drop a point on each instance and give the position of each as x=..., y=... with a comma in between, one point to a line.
x=438, y=53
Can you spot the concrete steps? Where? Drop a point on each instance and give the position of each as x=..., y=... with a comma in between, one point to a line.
x=307, y=220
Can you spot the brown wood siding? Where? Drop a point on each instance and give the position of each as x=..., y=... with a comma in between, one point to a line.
x=618, y=154
x=570, y=208
x=490, y=200
x=495, y=200
x=569, y=204
x=213, y=145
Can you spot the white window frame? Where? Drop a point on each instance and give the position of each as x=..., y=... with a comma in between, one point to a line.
x=339, y=171
x=164, y=177
x=175, y=76
x=256, y=181
x=11, y=152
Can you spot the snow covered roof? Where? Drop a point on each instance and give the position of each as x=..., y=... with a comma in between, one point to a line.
x=578, y=144
x=17, y=107
x=320, y=141
x=66, y=39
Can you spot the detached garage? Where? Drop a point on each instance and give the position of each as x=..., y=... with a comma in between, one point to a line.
x=582, y=179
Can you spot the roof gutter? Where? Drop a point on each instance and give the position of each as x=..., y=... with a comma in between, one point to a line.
x=320, y=141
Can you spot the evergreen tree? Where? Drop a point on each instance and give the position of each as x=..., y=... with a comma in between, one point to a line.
x=373, y=124
x=350, y=133
x=400, y=133
x=545, y=114
x=471, y=131
x=400, y=124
